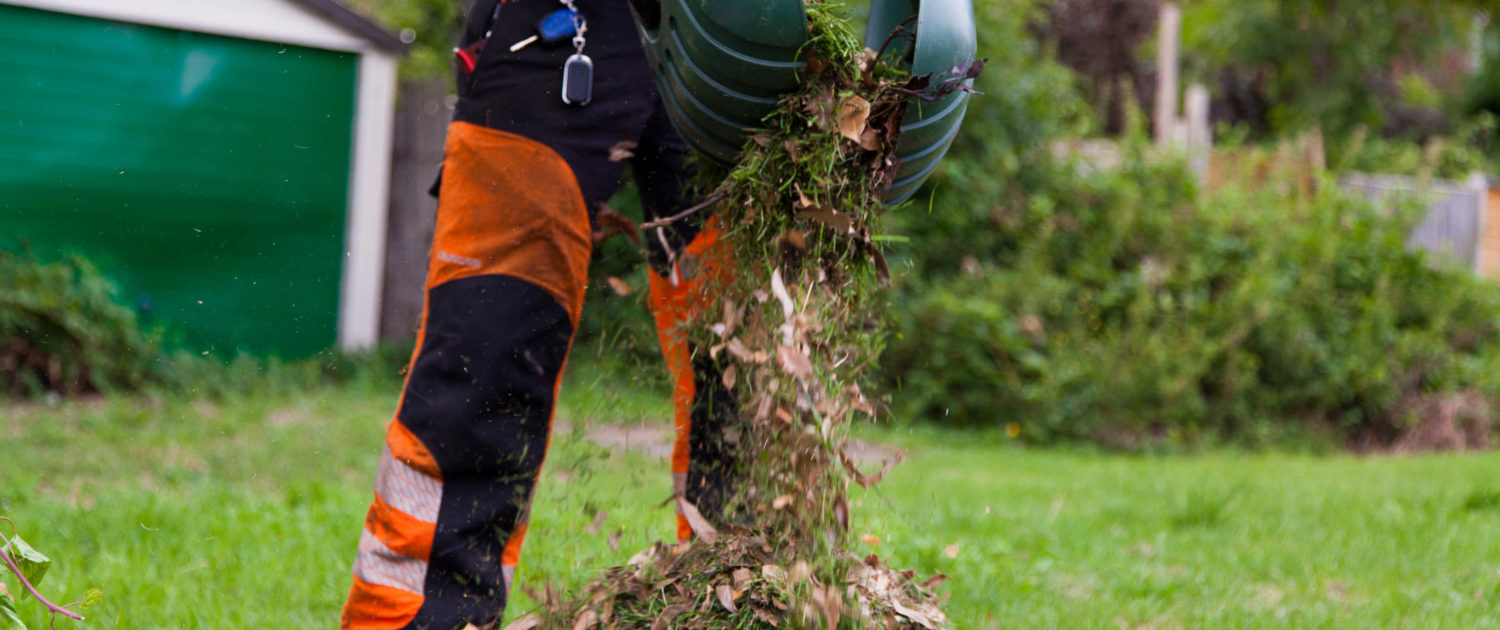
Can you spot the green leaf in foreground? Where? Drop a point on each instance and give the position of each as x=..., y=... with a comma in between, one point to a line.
x=32, y=563
x=92, y=598
x=8, y=616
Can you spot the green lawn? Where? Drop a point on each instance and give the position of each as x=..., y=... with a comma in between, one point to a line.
x=244, y=513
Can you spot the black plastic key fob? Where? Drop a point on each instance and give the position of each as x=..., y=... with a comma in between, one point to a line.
x=578, y=80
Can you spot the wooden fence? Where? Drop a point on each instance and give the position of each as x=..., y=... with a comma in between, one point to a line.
x=1457, y=227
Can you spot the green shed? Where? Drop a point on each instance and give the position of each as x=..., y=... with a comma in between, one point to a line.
x=226, y=162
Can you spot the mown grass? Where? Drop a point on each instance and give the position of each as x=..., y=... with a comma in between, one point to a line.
x=243, y=512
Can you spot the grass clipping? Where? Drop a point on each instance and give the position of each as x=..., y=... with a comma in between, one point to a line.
x=790, y=326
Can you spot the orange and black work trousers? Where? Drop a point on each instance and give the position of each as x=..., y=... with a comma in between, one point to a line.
x=522, y=174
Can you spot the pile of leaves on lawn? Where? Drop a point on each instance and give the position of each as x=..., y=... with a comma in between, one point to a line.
x=793, y=289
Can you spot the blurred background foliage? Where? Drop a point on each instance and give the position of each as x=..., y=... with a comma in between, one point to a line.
x=1128, y=305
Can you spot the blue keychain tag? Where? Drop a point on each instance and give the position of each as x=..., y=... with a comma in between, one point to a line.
x=557, y=26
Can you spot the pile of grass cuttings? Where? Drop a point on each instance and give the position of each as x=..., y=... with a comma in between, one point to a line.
x=793, y=330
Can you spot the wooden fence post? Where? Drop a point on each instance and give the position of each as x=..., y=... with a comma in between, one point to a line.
x=422, y=116
x=1168, y=38
x=1479, y=184
x=1199, y=135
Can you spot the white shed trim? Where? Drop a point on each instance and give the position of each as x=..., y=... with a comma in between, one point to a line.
x=279, y=21
x=369, y=197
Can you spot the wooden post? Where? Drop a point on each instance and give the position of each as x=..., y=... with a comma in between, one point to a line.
x=1479, y=184
x=1199, y=135
x=1168, y=38
x=422, y=115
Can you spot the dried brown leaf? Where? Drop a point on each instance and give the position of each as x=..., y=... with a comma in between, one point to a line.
x=826, y=215
x=934, y=581
x=623, y=150
x=830, y=602
x=587, y=619
x=614, y=540
x=917, y=617
x=768, y=617
x=870, y=539
x=598, y=522
x=725, y=593
x=742, y=577
x=951, y=551
x=738, y=349
x=524, y=623
x=794, y=362
x=620, y=287
x=860, y=477
x=853, y=112
x=792, y=239
x=781, y=501
x=668, y=616
x=701, y=527
x=778, y=288
x=731, y=375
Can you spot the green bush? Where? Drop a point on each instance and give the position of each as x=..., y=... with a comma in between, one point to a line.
x=63, y=330
x=1126, y=306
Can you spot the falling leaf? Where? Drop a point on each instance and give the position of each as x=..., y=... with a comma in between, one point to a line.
x=1012, y=429
x=774, y=574
x=614, y=540
x=841, y=514
x=802, y=201
x=621, y=287
x=793, y=239
x=831, y=602
x=794, y=362
x=738, y=349
x=854, y=111
x=623, y=150
x=778, y=288
x=800, y=572
x=701, y=527
x=730, y=376
x=726, y=597
x=781, y=501
x=862, y=479
x=870, y=539
x=826, y=215
x=951, y=551
x=934, y=581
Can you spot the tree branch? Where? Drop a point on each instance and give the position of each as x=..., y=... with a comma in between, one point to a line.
x=711, y=200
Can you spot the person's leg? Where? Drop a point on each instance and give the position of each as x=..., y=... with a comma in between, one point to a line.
x=704, y=410
x=686, y=268
x=506, y=280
